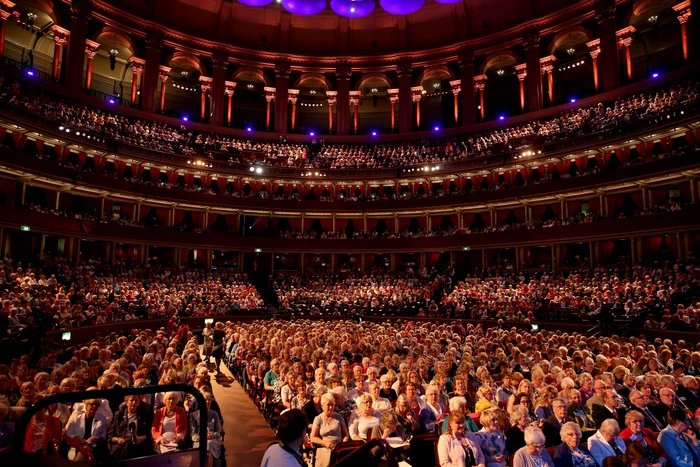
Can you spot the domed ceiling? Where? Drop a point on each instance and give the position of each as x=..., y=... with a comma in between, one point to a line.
x=272, y=28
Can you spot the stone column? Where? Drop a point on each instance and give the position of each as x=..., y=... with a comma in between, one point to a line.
x=332, y=97
x=625, y=37
x=609, y=65
x=417, y=94
x=60, y=39
x=354, y=102
x=466, y=74
x=151, y=71
x=269, y=97
x=406, y=102
x=5, y=6
x=682, y=10
x=218, y=89
x=293, y=97
x=90, y=51
x=136, y=70
x=521, y=72
x=230, y=89
x=547, y=67
x=456, y=86
x=394, y=99
x=531, y=42
x=594, y=49
x=163, y=77
x=480, y=85
x=343, y=73
x=281, y=96
x=75, y=59
x=205, y=84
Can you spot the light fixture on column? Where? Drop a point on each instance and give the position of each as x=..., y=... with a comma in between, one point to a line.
x=113, y=59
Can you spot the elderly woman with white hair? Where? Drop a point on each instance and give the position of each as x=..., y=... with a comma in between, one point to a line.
x=328, y=429
x=571, y=453
x=433, y=412
x=169, y=424
x=459, y=404
x=492, y=440
x=363, y=419
x=606, y=442
x=515, y=436
x=534, y=453
x=380, y=404
x=386, y=390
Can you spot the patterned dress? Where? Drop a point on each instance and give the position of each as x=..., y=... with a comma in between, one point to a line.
x=492, y=444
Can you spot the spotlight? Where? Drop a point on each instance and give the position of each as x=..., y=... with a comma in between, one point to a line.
x=501, y=117
x=252, y=169
x=249, y=129
x=312, y=134
x=258, y=170
x=111, y=101
x=185, y=118
x=374, y=133
x=437, y=128
x=30, y=72
x=60, y=128
x=573, y=100
x=655, y=75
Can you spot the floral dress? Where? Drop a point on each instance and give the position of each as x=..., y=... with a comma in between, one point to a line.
x=492, y=444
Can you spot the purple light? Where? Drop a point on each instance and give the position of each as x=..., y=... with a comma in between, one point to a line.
x=573, y=100
x=304, y=7
x=501, y=117
x=185, y=118
x=111, y=101
x=437, y=128
x=655, y=75
x=374, y=133
x=312, y=134
x=402, y=7
x=352, y=8
x=255, y=2
x=249, y=129
x=30, y=72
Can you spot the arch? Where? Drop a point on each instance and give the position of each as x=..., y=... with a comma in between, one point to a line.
x=371, y=76
x=44, y=6
x=642, y=9
x=311, y=77
x=120, y=38
x=569, y=37
x=499, y=59
x=187, y=60
x=250, y=73
x=434, y=72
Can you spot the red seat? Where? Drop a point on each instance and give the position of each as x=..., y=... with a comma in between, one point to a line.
x=343, y=449
x=476, y=418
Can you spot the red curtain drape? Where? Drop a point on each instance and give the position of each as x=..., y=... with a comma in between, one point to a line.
x=642, y=151
x=371, y=224
x=658, y=194
x=404, y=222
x=206, y=181
x=198, y=219
x=467, y=219
x=637, y=197
x=3, y=134
x=594, y=205
x=163, y=214
x=172, y=176
x=178, y=217
x=127, y=210
x=477, y=180
x=574, y=207
x=155, y=174
x=650, y=148
x=538, y=211
x=327, y=225
x=295, y=224
x=543, y=171
x=211, y=219
x=288, y=187
x=120, y=166
x=435, y=222
x=221, y=182
x=582, y=163
x=100, y=163
x=666, y=143
x=690, y=137
x=137, y=170
x=189, y=179
x=340, y=224
x=422, y=222
x=525, y=173
x=600, y=160
x=672, y=242
x=40, y=146
x=501, y=216
x=508, y=177
x=19, y=141
x=390, y=224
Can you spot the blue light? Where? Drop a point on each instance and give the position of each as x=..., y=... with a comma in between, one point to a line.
x=655, y=75
x=437, y=128
x=573, y=100
x=374, y=133
x=249, y=129
x=30, y=72
x=501, y=117
x=185, y=118
x=111, y=101
x=312, y=134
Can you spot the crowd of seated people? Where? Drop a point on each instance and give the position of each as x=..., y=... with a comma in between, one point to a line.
x=483, y=396
x=62, y=296
x=162, y=137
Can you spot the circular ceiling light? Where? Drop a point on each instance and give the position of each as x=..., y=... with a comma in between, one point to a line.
x=352, y=8
x=304, y=7
x=255, y=2
x=401, y=7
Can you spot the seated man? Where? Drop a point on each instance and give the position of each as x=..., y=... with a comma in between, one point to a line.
x=552, y=425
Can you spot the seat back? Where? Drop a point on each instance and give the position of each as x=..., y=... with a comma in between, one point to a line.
x=343, y=449
x=423, y=451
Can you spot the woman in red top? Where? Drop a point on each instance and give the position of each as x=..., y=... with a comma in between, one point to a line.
x=44, y=431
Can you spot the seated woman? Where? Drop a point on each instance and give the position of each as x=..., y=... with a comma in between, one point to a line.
x=571, y=452
x=606, y=442
x=130, y=430
x=579, y=411
x=636, y=433
x=492, y=440
x=406, y=417
x=169, y=427
x=363, y=419
x=387, y=391
x=43, y=431
x=432, y=414
x=380, y=404
x=457, y=447
x=526, y=401
x=328, y=429
x=515, y=436
x=543, y=409
x=533, y=454
x=459, y=404
x=214, y=431
x=389, y=427
x=88, y=428
x=484, y=399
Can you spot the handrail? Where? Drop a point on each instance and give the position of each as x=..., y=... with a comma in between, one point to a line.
x=23, y=423
x=365, y=449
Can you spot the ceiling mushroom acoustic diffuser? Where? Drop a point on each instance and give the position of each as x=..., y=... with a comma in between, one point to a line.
x=304, y=7
x=352, y=8
x=402, y=7
x=255, y=2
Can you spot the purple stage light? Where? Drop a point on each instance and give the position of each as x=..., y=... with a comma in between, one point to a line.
x=249, y=129
x=304, y=7
x=111, y=101
x=312, y=134
x=655, y=75
x=501, y=117
x=353, y=8
x=185, y=118
x=437, y=128
x=374, y=133
x=30, y=72
x=573, y=100
x=402, y=7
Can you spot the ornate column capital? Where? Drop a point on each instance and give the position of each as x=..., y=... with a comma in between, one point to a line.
x=604, y=9
x=393, y=95
x=417, y=93
x=205, y=83
x=480, y=82
x=137, y=65
x=293, y=95
x=6, y=5
x=270, y=93
x=531, y=40
x=343, y=70
x=60, y=35
x=456, y=86
x=163, y=73
x=219, y=60
x=332, y=97
x=4, y=14
x=547, y=64
x=82, y=9
x=625, y=36
x=594, y=48
x=465, y=58
x=154, y=42
x=230, y=87
x=354, y=97
x=404, y=68
x=521, y=71
x=91, y=48
x=683, y=11
x=282, y=69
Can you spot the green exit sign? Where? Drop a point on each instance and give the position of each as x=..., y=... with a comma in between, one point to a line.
x=26, y=228
x=466, y=248
x=258, y=250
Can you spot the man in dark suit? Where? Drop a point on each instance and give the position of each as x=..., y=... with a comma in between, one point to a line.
x=552, y=425
x=608, y=410
x=639, y=403
x=689, y=394
x=668, y=401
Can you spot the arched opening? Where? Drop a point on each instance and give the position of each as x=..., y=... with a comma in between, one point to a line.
x=312, y=104
x=28, y=38
x=573, y=69
x=374, y=107
x=502, y=88
x=657, y=43
x=183, y=96
x=437, y=101
x=111, y=75
x=249, y=98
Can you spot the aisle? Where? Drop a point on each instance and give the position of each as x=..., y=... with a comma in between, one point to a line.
x=247, y=432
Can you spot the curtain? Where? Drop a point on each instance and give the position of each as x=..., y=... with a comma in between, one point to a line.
x=19, y=140
x=172, y=176
x=435, y=222
x=659, y=194
x=501, y=216
x=467, y=219
x=39, y=146
x=556, y=207
x=327, y=225
x=295, y=224
x=178, y=217
x=574, y=207
x=82, y=158
x=594, y=205
x=422, y=222
x=221, y=182
x=127, y=210
x=637, y=198
x=100, y=163
x=642, y=151
x=542, y=170
x=520, y=214
x=121, y=167
x=3, y=135
x=164, y=215
x=650, y=148
x=340, y=224
x=477, y=180
x=600, y=160
x=525, y=173
x=189, y=179
x=206, y=181
x=137, y=170
x=371, y=224
x=155, y=174
x=404, y=222
x=198, y=219
x=666, y=143
x=672, y=242
x=538, y=211
x=390, y=224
